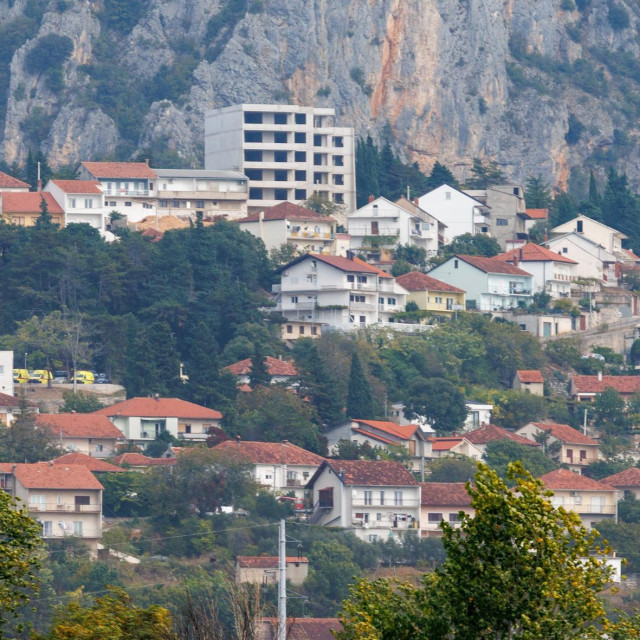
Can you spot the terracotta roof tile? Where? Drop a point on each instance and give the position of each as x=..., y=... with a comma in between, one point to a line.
x=46, y=475
x=591, y=384
x=493, y=265
x=101, y=170
x=564, y=479
x=529, y=376
x=627, y=478
x=491, y=432
x=28, y=202
x=287, y=210
x=159, y=408
x=565, y=433
x=8, y=401
x=344, y=264
x=269, y=452
x=139, y=460
x=418, y=281
x=399, y=431
x=83, y=425
x=9, y=182
x=93, y=464
x=372, y=473
x=265, y=562
x=445, y=494
x=444, y=443
x=531, y=252
x=301, y=628
x=537, y=214
x=275, y=367
x=78, y=186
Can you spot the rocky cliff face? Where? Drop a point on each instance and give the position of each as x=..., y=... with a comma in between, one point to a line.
x=542, y=87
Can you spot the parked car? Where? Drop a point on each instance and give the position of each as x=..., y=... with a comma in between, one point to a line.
x=103, y=378
x=40, y=376
x=20, y=376
x=84, y=377
x=60, y=377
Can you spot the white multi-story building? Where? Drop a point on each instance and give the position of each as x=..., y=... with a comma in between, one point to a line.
x=81, y=200
x=342, y=293
x=6, y=372
x=210, y=194
x=288, y=152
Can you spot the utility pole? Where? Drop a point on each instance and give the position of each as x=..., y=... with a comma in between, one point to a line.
x=282, y=584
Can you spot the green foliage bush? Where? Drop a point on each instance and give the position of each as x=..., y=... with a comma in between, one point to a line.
x=617, y=16
x=49, y=52
x=123, y=15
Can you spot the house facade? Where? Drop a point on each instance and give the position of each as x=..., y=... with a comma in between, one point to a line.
x=607, y=237
x=442, y=502
x=81, y=200
x=281, y=467
x=9, y=409
x=586, y=388
x=24, y=208
x=264, y=570
x=530, y=380
x=488, y=433
x=443, y=446
x=288, y=152
x=374, y=499
x=142, y=419
x=627, y=482
x=281, y=371
x=491, y=284
x=432, y=295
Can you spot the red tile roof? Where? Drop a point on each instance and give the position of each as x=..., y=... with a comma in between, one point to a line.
x=631, y=254
x=78, y=186
x=445, y=494
x=265, y=562
x=493, y=265
x=529, y=376
x=134, y=459
x=93, y=464
x=275, y=367
x=8, y=401
x=627, y=478
x=418, y=281
x=491, y=432
x=300, y=628
x=444, y=443
x=287, y=210
x=562, y=479
x=537, y=214
x=269, y=452
x=46, y=475
x=531, y=252
x=159, y=408
x=28, y=202
x=591, y=384
x=119, y=170
x=344, y=264
x=372, y=473
x=82, y=425
x=399, y=431
x=380, y=272
x=565, y=433
x=9, y=182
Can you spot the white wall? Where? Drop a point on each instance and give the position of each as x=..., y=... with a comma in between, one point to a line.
x=6, y=372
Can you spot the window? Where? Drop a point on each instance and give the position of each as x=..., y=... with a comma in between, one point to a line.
x=564, y=250
x=301, y=330
x=112, y=203
x=577, y=500
x=280, y=194
x=373, y=537
x=47, y=528
x=253, y=174
x=557, y=501
x=199, y=204
x=338, y=141
x=368, y=497
x=438, y=300
x=279, y=118
x=397, y=498
x=300, y=156
x=361, y=279
x=516, y=191
x=255, y=194
x=175, y=204
x=454, y=517
x=570, y=454
x=354, y=298
x=127, y=204
x=251, y=155
x=363, y=319
x=434, y=518
x=449, y=304
x=253, y=136
x=280, y=175
x=381, y=500
x=391, y=301
x=338, y=161
x=317, y=159
x=583, y=454
x=300, y=137
x=301, y=118
x=72, y=203
x=314, y=330
x=253, y=117
x=338, y=198
x=279, y=156
x=280, y=137
x=380, y=300
x=597, y=504
x=300, y=176
x=300, y=194
x=325, y=498
x=378, y=517
x=502, y=222
x=579, y=226
x=351, y=278
x=455, y=264
x=294, y=299
x=77, y=527
x=317, y=140
x=289, y=329
x=162, y=204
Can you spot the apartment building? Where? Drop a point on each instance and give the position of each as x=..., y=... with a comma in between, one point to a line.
x=81, y=200
x=288, y=152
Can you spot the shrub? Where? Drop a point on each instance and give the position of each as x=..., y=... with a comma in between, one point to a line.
x=574, y=133
x=617, y=16
x=49, y=52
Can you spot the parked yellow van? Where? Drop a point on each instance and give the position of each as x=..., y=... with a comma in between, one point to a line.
x=40, y=376
x=20, y=376
x=84, y=377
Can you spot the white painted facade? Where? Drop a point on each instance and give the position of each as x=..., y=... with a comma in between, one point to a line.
x=477, y=415
x=142, y=430
x=607, y=237
x=460, y=212
x=594, y=261
x=554, y=277
x=288, y=152
x=6, y=372
x=87, y=208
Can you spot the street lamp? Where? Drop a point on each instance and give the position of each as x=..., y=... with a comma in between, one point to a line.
x=25, y=360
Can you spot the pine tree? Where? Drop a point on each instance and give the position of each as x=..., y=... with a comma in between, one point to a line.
x=485, y=173
x=44, y=219
x=440, y=175
x=360, y=403
x=259, y=373
x=562, y=210
x=537, y=194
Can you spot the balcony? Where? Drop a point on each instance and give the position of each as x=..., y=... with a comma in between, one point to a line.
x=126, y=192
x=292, y=482
x=67, y=508
x=362, y=306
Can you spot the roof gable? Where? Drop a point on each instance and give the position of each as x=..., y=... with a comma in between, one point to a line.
x=78, y=186
x=96, y=465
x=563, y=479
x=444, y=494
x=159, y=408
x=491, y=432
x=595, y=384
x=565, y=433
x=492, y=265
x=532, y=252
x=269, y=453
x=275, y=367
x=404, y=432
x=9, y=182
x=627, y=478
x=106, y=170
x=29, y=202
x=368, y=473
x=418, y=281
x=46, y=475
x=570, y=226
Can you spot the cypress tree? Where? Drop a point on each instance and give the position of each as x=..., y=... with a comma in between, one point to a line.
x=359, y=396
x=259, y=372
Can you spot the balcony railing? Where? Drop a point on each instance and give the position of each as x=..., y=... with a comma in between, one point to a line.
x=69, y=508
x=126, y=192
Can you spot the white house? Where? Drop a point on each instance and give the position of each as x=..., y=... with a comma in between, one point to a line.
x=552, y=272
x=381, y=223
x=81, y=201
x=607, y=237
x=491, y=284
x=477, y=414
x=341, y=293
x=9, y=408
x=6, y=372
x=460, y=212
x=594, y=261
x=443, y=501
x=281, y=371
x=374, y=499
x=281, y=467
x=142, y=419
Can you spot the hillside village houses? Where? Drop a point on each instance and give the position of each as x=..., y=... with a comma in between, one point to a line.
x=281, y=371
x=431, y=294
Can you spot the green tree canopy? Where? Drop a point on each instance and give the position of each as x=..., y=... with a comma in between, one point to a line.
x=359, y=395
x=537, y=193
x=452, y=469
x=439, y=402
x=472, y=245
x=610, y=412
x=485, y=173
x=499, y=454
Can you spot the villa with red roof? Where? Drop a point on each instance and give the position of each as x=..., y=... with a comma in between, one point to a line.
x=142, y=419
x=95, y=465
x=593, y=501
x=552, y=272
x=65, y=499
x=281, y=467
x=24, y=208
x=342, y=293
x=627, y=482
x=382, y=434
x=81, y=200
x=443, y=446
x=586, y=388
x=88, y=433
x=432, y=295
x=263, y=570
x=491, y=284
x=443, y=501
x=10, y=184
x=487, y=433
x=281, y=371
x=530, y=380
x=288, y=223
x=564, y=444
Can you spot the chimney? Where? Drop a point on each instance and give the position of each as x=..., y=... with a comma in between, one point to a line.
x=371, y=198
x=416, y=202
x=599, y=376
x=156, y=397
x=515, y=260
x=146, y=161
